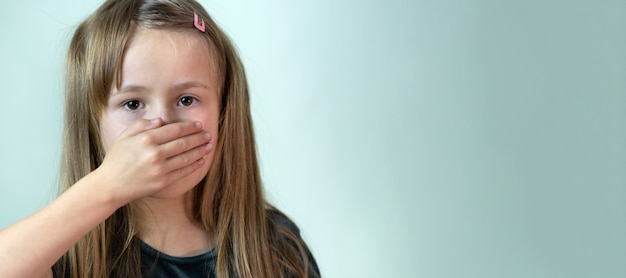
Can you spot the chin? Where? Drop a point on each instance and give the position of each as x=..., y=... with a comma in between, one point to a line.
x=183, y=185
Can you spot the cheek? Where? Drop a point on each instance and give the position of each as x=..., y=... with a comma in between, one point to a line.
x=110, y=129
x=209, y=121
x=211, y=125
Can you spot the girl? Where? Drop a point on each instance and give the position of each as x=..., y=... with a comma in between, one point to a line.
x=159, y=168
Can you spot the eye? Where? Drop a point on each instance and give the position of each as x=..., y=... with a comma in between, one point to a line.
x=133, y=105
x=186, y=101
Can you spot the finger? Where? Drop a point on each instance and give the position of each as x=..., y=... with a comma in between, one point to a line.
x=184, y=171
x=187, y=158
x=140, y=126
x=180, y=145
x=173, y=131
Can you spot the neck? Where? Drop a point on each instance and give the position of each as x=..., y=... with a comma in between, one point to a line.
x=168, y=225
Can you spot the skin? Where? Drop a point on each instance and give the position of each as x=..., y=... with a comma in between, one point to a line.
x=167, y=75
x=154, y=156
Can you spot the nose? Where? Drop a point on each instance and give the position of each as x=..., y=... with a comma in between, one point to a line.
x=163, y=111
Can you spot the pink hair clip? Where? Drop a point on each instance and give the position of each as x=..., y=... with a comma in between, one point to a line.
x=198, y=25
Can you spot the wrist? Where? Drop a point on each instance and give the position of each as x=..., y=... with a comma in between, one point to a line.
x=99, y=190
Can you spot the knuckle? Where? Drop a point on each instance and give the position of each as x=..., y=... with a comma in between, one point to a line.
x=147, y=139
x=154, y=156
x=159, y=169
x=181, y=144
x=184, y=160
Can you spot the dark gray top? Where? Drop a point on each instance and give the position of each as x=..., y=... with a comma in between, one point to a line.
x=155, y=264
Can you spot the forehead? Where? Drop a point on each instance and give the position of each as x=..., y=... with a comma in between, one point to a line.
x=164, y=37
x=153, y=55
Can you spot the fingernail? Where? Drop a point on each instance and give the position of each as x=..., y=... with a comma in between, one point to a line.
x=199, y=125
x=208, y=146
x=154, y=121
x=207, y=136
x=200, y=161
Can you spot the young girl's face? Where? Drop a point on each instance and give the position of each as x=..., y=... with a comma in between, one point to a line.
x=170, y=75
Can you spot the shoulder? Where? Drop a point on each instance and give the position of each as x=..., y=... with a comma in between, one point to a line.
x=60, y=269
x=285, y=236
x=282, y=221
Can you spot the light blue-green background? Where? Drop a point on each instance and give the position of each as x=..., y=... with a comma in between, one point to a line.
x=440, y=138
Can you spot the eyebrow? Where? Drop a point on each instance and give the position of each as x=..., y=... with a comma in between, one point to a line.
x=132, y=88
x=177, y=87
x=190, y=84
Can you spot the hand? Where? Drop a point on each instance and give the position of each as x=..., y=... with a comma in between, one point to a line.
x=148, y=156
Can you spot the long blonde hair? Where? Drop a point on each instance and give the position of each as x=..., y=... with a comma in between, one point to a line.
x=229, y=201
